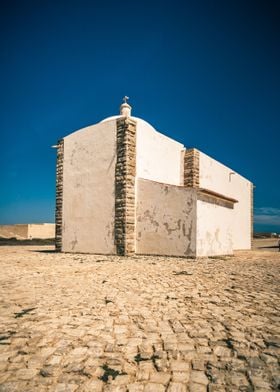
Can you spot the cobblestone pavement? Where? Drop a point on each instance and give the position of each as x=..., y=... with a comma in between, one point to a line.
x=139, y=324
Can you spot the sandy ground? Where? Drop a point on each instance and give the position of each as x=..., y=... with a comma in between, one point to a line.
x=96, y=323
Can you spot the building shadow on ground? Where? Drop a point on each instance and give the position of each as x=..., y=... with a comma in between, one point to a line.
x=268, y=247
x=44, y=251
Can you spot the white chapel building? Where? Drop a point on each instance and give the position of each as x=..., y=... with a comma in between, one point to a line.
x=124, y=188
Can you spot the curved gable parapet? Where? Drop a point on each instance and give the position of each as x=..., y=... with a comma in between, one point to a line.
x=89, y=129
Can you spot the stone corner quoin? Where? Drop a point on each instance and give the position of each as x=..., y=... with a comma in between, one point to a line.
x=125, y=187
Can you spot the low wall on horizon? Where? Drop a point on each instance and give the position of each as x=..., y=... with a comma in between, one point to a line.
x=28, y=231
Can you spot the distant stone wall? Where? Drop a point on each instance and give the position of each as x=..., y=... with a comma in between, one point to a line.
x=59, y=195
x=14, y=231
x=125, y=187
x=41, y=230
x=28, y=231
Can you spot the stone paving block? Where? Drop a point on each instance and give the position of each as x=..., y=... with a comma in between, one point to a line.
x=122, y=380
x=160, y=378
x=54, y=360
x=6, y=377
x=90, y=386
x=153, y=387
x=259, y=382
x=176, y=387
x=25, y=374
x=135, y=387
x=61, y=387
x=162, y=364
x=114, y=388
x=179, y=366
x=239, y=380
x=3, y=366
x=47, y=351
x=180, y=377
x=194, y=387
x=222, y=351
x=13, y=387
x=198, y=364
x=216, y=388
x=9, y=355
x=198, y=377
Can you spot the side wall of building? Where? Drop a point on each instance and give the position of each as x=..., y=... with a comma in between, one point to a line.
x=214, y=229
x=158, y=158
x=88, y=208
x=43, y=230
x=221, y=179
x=166, y=219
x=14, y=231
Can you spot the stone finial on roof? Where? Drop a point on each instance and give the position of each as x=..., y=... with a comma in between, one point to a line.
x=125, y=109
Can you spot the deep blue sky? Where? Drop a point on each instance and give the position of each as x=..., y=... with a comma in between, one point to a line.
x=206, y=73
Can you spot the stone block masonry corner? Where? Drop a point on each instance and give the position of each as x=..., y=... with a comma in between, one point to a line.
x=191, y=168
x=125, y=187
x=59, y=195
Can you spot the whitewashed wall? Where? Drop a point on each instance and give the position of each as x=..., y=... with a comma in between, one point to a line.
x=159, y=158
x=89, y=189
x=214, y=229
x=219, y=178
x=165, y=219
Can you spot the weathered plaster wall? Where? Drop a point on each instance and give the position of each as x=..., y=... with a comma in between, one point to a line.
x=158, y=157
x=214, y=229
x=89, y=189
x=14, y=231
x=166, y=219
x=44, y=230
x=219, y=178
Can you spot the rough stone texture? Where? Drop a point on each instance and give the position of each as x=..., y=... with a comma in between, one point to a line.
x=59, y=195
x=159, y=323
x=191, y=168
x=125, y=187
